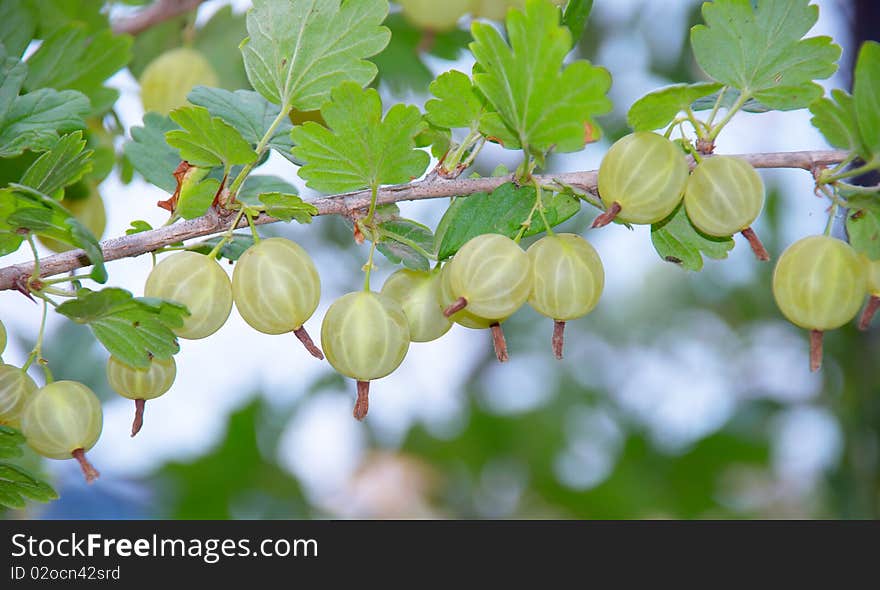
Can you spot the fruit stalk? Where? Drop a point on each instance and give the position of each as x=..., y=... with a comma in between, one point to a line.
x=138, y=422
x=755, y=242
x=362, y=405
x=607, y=217
x=558, y=340
x=89, y=471
x=308, y=343
x=868, y=313
x=458, y=305
x=816, y=350
x=500, y=343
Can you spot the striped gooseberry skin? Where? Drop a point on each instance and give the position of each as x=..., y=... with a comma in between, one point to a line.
x=133, y=383
x=567, y=276
x=365, y=335
x=2, y=337
x=819, y=283
x=16, y=390
x=276, y=286
x=167, y=80
x=493, y=274
x=724, y=195
x=873, y=267
x=418, y=293
x=464, y=317
x=199, y=283
x=645, y=174
x=61, y=418
x=433, y=15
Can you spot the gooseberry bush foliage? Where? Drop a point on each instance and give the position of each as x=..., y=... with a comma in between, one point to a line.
x=304, y=86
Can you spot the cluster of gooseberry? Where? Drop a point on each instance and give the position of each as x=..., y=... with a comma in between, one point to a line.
x=432, y=15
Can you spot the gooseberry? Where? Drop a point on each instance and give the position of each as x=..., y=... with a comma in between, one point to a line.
x=276, y=288
x=198, y=282
x=497, y=9
x=567, y=280
x=873, y=269
x=433, y=15
x=819, y=283
x=723, y=196
x=141, y=385
x=16, y=390
x=418, y=293
x=167, y=80
x=641, y=179
x=365, y=336
x=63, y=420
x=2, y=337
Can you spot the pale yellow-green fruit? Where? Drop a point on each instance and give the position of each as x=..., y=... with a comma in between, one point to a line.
x=567, y=276
x=2, y=337
x=167, y=80
x=418, y=293
x=16, y=390
x=134, y=383
x=464, y=317
x=89, y=211
x=819, y=283
x=365, y=335
x=435, y=15
x=724, y=195
x=198, y=282
x=276, y=286
x=873, y=269
x=497, y=9
x=493, y=274
x=645, y=174
x=62, y=417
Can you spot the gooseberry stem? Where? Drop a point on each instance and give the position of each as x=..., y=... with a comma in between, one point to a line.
x=253, y=227
x=607, y=217
x=138, y=422
x=37, y=353
x=362, y=405
x=711, y=119
x=499, y=342
x=868, y=313
x=815, y=350
x=539, y=201
x=755, y=242
x=369, y=268
x=558, y=341
x=374, y=193
x=734, y=109
x=864, y=169
x=261, y=147
x=832, y=213
x=228, y=234
x=89, y=471
x=309, y=344
x=457, y=305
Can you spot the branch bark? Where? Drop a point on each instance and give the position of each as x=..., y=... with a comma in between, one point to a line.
x=350, y=203
x=157, y=12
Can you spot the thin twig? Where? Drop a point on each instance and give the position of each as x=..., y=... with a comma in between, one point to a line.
x=348, y=203
x=157, y=12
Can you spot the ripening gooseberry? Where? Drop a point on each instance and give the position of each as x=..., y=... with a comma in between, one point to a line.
x=567, y=280
x=641, y=179
x=819, y=283
x=433, y=15
x=167, y=80
x=873, y=270
x=2, y=337
x=198, y=282
x=365, y=336
x=276, y=288
x=16, y=390
x=63, y=420
x=89, y=211
x=418, y=293
x=723, y=196
x=141, y=385
x=497, y=9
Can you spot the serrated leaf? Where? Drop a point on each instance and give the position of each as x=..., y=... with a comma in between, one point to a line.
x=73, y=58
x=204, y=140
x=34, y=120
x=404, y=240
x=248, y=112
x=287, y=207
x=502, y=211
x=866, y=92
x=25, y=209
x=760, y=50
x=457, y=103
x=61, y=166
x=231, y=250
x=149, y=153
x=17, y=27
x=658, y=109
x=12, y=75
x=539, y=105
x=359, y=149
x=257, y=184
x=677, y=240
x=863, y=227
x=15, y=481
x=130, y=328
x=11, y=441
x=576, y=15
x=836, y=118
x=299, y=50
x=194, y=201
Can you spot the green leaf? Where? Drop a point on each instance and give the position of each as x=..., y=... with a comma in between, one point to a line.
x=248, y=112
x=577, y=13
x=658, y=109
x=11, y=441
x=539, y=105
x=457, y=103
x=760, y=51
x=61, y=166
x=150, y=154
x=73, y=58
x=208, y=141
x=836, y=118
x=299, y=50
x=866, y=92
x=34, y=120
x=12, y=75
x=257, y=184
x=216, y=40
x=16, y=485
x=131, y=328
x=138, y=226
x=404, y=241
x=863, y=227
x=26, y=209
x=287, y=207
x=501, y=212
x=231, y=250
x=359, y=149
x=677, y=240
x=17, y=27
x=195, y=200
